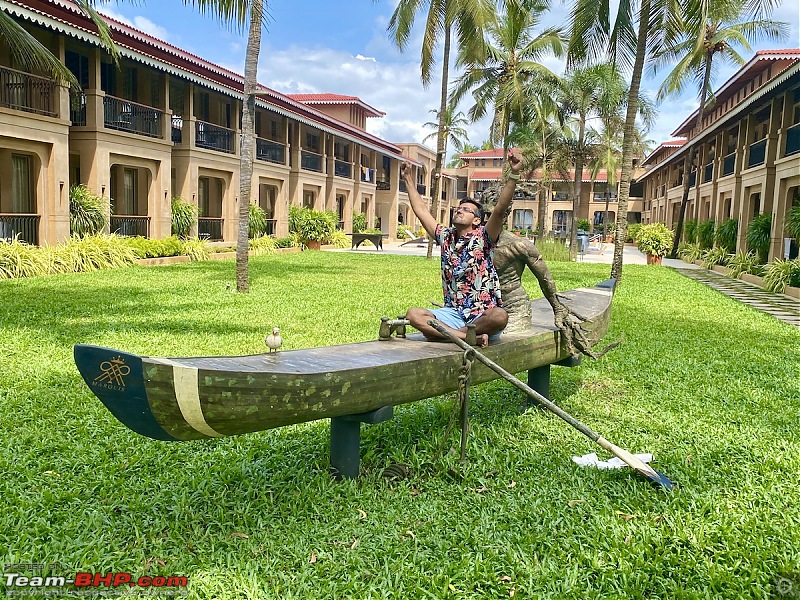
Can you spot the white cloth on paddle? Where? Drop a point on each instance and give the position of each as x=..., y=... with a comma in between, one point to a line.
x=591, y=460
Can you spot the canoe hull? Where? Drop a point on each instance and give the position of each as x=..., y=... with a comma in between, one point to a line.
x=198, y=398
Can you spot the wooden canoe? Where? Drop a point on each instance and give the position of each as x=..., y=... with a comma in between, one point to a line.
x=196, y=398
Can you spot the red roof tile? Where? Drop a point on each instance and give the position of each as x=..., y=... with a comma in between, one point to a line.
x=336, y=99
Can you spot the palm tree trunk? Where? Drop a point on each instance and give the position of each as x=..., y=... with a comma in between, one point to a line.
x=627, y=140
x=248, y=141
x=689, y=160
x=441, y=140
x=576, y=190
x=605, y=215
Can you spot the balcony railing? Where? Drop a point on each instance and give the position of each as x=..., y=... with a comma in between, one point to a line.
x=310, y=161
x=124, y=115
x=210, y=228
x=421, y=189
x=77, y=109
x=728, y=164
x=270, y=151
x=271, y=226
x=792, y=140
x=382, y=185
x=130, y=225
x=757, y=153
x=403, y=187
x=708, y=172
x=177, y=130
x=23, y=226
x=31, y=93
x=213, y=137
x=342, y=169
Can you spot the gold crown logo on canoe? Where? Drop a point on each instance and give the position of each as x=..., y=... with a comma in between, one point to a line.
x=113, y=371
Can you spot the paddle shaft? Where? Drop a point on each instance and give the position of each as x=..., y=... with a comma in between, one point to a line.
x=592, y=435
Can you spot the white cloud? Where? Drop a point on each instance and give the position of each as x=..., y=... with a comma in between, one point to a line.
x=141, y=23
x=362, y=57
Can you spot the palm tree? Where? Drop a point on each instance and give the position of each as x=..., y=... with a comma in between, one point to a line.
x=587, y=92
x=635, y=36
x=467, y=17
x=711, y=31
x=507, y=75
x=454, y=123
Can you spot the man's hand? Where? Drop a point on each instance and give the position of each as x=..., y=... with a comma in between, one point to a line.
x=514, y=161
x=405, y=170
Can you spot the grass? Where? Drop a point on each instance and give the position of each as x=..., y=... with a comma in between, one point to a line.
x=708, y=385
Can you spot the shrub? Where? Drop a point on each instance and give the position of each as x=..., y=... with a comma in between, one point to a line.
x=584, y=224
x=744, y=262
x=372, y=230
x=196, y=249
x=285, y=242
x=339, y=239
x=148, y=248
x=553, y=250
x=758, y=233
x=310, y=224
x=86, y=211
x=793, y=223
x=715, y=256
x=263, y=244
x=705, y=233
x=689, y=252
x=690, y=231
x=654, y=239
x=632, y=232
x=257, y=221
x=781, y=273
x=18, y=259
x=184, y=217
x=726, y=235
x=359, y=222
x=94, y=252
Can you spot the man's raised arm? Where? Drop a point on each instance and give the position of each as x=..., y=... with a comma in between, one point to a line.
x=417, y=203
x=494, y=226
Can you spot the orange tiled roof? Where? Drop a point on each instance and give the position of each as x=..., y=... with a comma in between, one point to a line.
x=328, y=98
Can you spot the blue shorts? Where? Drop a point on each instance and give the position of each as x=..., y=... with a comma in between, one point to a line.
x=454, y=319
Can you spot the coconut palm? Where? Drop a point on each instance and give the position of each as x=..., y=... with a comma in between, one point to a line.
x=467, y=18
x=588, y=92
x=454, y=123
x=508, y=74
x=708, y=31
x=637, y=33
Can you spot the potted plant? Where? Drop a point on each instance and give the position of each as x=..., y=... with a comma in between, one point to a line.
x=312, y=226
x=654, y=240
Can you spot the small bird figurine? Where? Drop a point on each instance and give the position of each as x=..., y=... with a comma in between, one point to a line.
x=274, y=340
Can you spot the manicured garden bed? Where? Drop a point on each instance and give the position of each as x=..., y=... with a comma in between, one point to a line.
x=708, y=385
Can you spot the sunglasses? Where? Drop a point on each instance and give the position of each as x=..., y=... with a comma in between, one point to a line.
x=465, y=209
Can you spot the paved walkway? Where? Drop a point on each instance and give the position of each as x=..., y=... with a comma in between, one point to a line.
x=780, y=306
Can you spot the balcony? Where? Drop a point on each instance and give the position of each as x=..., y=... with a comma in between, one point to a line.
x=792, y=140
x=77, y=109
x=214, y=137
x=23, y=226
x=29, y=93
x=124, y=115
x=130, y=225
x=382, y=185
x=403, y=188
x=422, y=189
x=210, y=228
x=708, y=172
x=270, y=151
x=728, y=164
x=177, y=130
x=310, y=161
x=757, y=153
x=342, y=169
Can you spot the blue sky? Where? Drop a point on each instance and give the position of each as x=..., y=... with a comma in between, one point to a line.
x=343, y=47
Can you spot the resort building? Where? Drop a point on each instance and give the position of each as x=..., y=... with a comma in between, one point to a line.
x=748, y=154
x=164, y=123
x=480, y=170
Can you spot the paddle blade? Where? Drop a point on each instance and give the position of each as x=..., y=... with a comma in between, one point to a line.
x=637, y=464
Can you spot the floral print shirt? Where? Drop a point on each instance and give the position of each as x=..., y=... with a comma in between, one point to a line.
x=469, y=279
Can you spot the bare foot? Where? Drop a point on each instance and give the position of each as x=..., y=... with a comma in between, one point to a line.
x=482, y=340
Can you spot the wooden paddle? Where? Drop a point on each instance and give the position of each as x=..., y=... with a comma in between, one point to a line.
x=628, y=458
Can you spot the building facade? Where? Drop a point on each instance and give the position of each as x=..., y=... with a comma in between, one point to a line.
x=748, y=154
x=164, y=123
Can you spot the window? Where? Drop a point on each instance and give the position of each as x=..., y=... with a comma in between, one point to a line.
x=128, y=206
x=21, y=184
x=308, y=199
x=130, y=82
x=312, y=142
x=202, y=107
x=108, y=78
x=202, y=196
x=78, y=66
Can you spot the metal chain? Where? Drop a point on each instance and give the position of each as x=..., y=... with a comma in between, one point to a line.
x=461, y=406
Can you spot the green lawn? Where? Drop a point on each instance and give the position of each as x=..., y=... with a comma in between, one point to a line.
x=710, y=386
